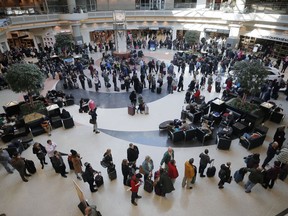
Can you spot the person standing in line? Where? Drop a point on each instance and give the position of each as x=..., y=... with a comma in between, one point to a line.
x=107, y=158
x=180, y=83
x=147, y=167
x=224, y=175
x=19, y=164
x=135, y=184
x=204, y=160
x=93, y=120
x=50, y=148
x=40, y=152
x=96, y=82
x=255, y=177
x=82, y=80
x=188, y=174
x=59, y=164
x=172, y=171
x=132, y=153
x=5, y=160
x=77, y=164
x=271, y=152
x=133, y=98
x=125, y=170
x=279, y=136
x=88, y=176
x=271, y=175
x=167, y=157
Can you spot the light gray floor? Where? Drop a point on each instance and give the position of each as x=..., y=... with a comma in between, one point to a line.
x=47, y=193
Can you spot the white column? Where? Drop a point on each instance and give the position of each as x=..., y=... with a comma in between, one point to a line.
x=201, y=4
x=240, y=6
x=174, y=33
x=233, y=39
x=86, y=37
x=77, y=34
x=71, y=5
x=121, y=41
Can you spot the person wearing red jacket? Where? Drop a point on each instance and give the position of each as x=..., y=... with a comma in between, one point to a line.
x=172, y=171
x=135, y=183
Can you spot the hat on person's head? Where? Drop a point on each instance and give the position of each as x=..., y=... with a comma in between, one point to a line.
x=191, y=160
x=86, y=164
x=73, y=152
x=138, y=175
x=206, y=151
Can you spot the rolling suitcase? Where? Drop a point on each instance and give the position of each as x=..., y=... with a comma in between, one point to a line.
x=158, y=90
x=239, y=175
x=131, y=110
x=183, y=114
x=148, y=185
x=99, y=180
x=146, y=110
x=65, y=85
x=122, y=86
x=283, y=173
x=116, y=89
x=71, y=167
x=89, y=81
x=30, y=166
x=112, y=173
x=211, y=170
x=209, y=88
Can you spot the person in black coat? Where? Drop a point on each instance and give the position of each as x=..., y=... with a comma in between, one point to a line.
x=59, y=164
x=132, y=153
x=40, y=152
x=165, y=182
x=224, y=174
x=125, y=170
x=88, y=176
x=107, y=158
x=279, y=136
x=180, y=83
x=271, y=152
x=133, y=98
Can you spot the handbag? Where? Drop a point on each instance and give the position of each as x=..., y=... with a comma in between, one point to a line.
x=91, y=121
x=141, y=170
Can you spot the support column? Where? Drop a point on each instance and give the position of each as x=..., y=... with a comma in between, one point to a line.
x=174, y=34
x=86, y=37
x=169, y=5
x=201, y=4
x=240, y=6
x=71, y=5
x=234, y=38
x=77, y=34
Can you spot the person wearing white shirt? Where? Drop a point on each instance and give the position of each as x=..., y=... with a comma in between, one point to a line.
x=50, y=148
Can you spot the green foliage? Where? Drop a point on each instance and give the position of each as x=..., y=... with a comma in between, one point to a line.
x=28, y=108
x=192, y=37
x=250, y=75
x=241, y=105
x=25, y=78
x=63, y=41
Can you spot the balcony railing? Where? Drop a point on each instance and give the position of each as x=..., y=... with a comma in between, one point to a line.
x=185, y=5
x=268, y=8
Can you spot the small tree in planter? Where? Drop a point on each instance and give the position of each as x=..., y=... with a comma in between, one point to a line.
x=250, y=75
x=63, y=43
x=26, y=78
x=192, y=37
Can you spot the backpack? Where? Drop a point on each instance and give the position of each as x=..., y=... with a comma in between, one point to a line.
x=222, y=174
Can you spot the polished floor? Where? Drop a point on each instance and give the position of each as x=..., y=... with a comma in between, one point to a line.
x=47, y=193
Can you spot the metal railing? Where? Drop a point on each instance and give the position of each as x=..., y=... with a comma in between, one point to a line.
x=185, y=5
x=268, y=8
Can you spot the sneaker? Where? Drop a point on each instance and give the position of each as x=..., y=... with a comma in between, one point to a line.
x=221, y=187
x=64, y=176
x=25, y=180
x=248, y=191
x=95, y=190
x=78, y=177
x=97, y=132
x=202, y=176
x=27, y=175
x=190, y=188
x=134, y=203
x=139, y=197
x=45, y=163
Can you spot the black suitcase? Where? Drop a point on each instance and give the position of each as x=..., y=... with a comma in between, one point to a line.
x=183, y=114
x=158, y=90
x=112, y=173
x=30, y=166
x=148, y=185
x=122, y=86
x=99, y=180
x=211, y=171
x=239, y=175
x=218, y=89
x=89, y=81
x=283, y=173
x=116, y=89
x=65, y=85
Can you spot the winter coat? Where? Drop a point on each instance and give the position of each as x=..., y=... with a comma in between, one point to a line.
x=166, y=183
x=172, y=171
x=167, y=157
x=77, y=164
x=256, y=176
x=134, y=184
x=189, y=170
x=146, y=167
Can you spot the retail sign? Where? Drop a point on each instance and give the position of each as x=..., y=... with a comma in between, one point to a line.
x=269, y=35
